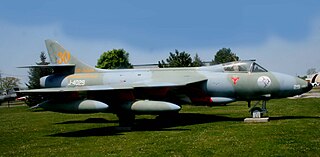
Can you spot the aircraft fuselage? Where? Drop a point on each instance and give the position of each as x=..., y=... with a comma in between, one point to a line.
x=76, y=87
x=220, y=84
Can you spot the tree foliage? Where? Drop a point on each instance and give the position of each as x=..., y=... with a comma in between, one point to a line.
x=34, y=80
x=180, y=59
x=197, y=62
x=311, y=71
x=224, y=55
x=36, y=73
x=8, y=83
x=114, y=59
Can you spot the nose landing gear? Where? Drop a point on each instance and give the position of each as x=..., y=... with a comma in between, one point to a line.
x=257, y=112
x=254, y=110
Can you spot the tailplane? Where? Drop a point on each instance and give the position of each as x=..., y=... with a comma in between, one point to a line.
x=60, y=56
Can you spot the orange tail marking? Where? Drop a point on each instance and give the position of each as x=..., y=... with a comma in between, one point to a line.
x=63, y=57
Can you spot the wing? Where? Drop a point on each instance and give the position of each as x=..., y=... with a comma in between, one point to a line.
x=74, y=89
x=121, y=86
x=167, y=82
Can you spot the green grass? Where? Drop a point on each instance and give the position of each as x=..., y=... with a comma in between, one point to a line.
x=198, y=131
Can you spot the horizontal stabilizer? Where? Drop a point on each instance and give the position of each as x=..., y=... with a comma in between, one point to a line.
x=48, y=66
x=57, y=68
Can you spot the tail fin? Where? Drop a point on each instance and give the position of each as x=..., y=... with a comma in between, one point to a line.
x=59, y=55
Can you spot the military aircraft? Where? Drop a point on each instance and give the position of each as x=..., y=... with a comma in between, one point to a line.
x=76, y=87
x=7, y=98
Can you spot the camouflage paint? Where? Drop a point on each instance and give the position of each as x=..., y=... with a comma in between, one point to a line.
x=243, y=80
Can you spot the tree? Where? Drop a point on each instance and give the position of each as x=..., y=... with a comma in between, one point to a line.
x=162, y=64
x=311, y=71
x=36, y=73
x=197, y=62
x=114, y=59
x=34, y=80
x=0, y=81
x=8, y=83
x=177, y=59
x=224, y=55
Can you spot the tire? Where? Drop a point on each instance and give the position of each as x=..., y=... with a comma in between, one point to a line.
x=256, y=109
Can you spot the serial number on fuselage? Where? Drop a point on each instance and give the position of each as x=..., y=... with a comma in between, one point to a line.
x=77, y=82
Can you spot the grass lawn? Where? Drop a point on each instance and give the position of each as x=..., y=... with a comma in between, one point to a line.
x=293, y=130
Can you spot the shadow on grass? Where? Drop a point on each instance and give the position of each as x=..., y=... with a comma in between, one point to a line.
x=158, y=124
x=89, y=120
x=293, y=117
x=104, y=131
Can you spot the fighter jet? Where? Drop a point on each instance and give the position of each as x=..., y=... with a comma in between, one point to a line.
x=8, y=97
x=76, y=87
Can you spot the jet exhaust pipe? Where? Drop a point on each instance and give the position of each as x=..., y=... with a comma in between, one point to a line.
x=78, y=106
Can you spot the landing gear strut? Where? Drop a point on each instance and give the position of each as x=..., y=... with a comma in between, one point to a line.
x=257, y=112
x=126, y=120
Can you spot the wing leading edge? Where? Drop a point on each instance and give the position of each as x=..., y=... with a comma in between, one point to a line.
x=120, y=86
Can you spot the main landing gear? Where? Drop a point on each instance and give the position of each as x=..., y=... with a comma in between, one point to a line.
x=126, y=120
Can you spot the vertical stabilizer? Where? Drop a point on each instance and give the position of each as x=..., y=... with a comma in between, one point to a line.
x=59, y=55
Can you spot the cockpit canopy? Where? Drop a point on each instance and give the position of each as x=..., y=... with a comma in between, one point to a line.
x=243, y=66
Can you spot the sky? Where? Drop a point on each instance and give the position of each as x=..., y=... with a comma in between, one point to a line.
x=282, y=35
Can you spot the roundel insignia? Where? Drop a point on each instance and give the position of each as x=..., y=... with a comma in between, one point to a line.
x=264, y=81
x=235, y=79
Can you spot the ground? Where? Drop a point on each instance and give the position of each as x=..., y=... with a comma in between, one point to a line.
x=293, y=130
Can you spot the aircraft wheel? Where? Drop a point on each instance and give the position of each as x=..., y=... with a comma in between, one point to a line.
x=254, y=109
